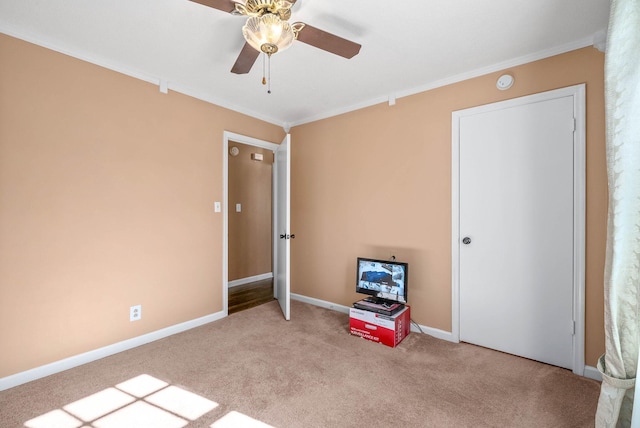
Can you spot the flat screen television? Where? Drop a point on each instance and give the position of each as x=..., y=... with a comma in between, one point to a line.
x=384, y=279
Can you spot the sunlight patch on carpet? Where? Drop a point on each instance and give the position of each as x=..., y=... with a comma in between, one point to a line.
x=55, y=418
x=181, y=402
x=142, y=385
x=238, y=420
x=140, y=415
x=99, y=404
x=140, y=402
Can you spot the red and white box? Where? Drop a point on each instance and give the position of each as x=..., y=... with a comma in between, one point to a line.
x=386, y=329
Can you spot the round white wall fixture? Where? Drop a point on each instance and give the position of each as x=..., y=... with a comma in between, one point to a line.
x=233, y=151
x=504, y=82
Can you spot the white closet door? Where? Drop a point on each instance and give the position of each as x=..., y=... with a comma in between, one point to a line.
x=516, y=209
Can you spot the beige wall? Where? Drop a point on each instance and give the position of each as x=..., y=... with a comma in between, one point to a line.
x=106, y=200
x=403, y=152
x=250, y=236
x=107, y=189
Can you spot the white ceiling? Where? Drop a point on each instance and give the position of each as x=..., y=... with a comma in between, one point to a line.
x=408, y=46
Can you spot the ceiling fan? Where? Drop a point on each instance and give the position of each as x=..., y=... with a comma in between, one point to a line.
x=267, y=30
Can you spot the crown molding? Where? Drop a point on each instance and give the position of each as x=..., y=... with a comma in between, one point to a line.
x=163, y=84
x=454, y=79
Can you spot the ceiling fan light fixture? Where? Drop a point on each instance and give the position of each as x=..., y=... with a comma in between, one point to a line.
x=268, y=33
x=261, y=7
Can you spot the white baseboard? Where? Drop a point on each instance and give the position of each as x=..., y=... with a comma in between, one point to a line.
x=592, y=373
x=440, y=334
x=321, y=303
x=96, y=354
x=249, y=279
x=435, y=332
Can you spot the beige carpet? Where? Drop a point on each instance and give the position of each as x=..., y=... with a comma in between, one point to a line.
x=310, y=372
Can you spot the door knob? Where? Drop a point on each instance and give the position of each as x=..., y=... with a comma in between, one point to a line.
x=466, y=240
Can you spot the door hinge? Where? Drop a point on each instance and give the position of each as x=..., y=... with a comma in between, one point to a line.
x=575, y=125
x=573, y=328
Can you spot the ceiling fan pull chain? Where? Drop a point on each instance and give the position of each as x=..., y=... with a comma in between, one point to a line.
x=264, y=79
x=269, y=74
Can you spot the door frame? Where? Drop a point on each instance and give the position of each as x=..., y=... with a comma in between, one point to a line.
x=579, y=187
x=256, y=142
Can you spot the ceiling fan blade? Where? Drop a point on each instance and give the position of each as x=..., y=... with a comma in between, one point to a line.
x=223, y=5
x=246, y=59
x=329, y=42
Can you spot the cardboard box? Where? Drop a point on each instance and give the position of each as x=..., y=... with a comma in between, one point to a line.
x=385, y=329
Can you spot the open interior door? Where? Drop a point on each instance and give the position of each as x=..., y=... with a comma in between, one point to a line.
x=282, y=193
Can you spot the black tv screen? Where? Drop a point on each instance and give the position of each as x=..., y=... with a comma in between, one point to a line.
x=386, y=280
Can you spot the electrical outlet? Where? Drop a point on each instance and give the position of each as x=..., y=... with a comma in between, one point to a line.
x=135, y=313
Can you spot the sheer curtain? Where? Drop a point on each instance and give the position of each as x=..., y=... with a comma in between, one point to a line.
x=622, y=270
